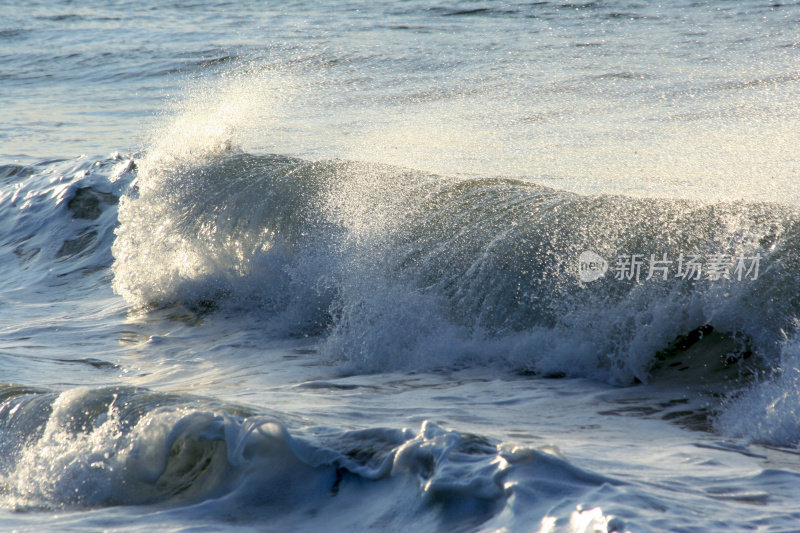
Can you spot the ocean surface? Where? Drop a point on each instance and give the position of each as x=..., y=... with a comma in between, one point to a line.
x=399, y=266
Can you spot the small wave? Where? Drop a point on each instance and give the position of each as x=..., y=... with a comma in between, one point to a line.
x=13, y=33
x=10, y=173
x=88, y=448
x=58, y=217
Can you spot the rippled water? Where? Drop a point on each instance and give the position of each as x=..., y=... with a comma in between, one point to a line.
x=315, y=266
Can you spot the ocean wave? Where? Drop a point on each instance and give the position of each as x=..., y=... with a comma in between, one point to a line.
x=392, y=268
x=398, y=268
x=58, y=217
x=86, y=448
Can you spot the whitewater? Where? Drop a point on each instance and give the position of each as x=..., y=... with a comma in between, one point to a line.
x=384, y=266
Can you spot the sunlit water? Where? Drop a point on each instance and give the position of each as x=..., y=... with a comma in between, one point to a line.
x=314, y=267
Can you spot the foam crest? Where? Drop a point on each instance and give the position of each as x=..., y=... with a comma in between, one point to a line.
x=101, y=447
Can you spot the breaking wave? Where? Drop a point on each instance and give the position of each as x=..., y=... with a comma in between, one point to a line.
x=397, y=268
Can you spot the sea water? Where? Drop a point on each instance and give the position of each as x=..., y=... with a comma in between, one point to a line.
x=399, y=266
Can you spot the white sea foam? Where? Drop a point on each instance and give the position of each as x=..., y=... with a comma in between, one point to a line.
x=767, y=412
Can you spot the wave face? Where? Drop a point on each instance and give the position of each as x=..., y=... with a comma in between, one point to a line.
x=404, y=269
